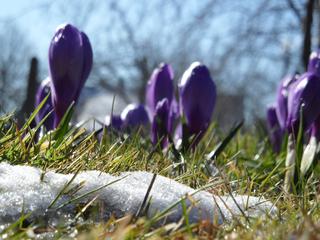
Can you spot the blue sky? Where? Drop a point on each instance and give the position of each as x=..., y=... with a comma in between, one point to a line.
x=34, y=20
x=38, y=22
x=12, y=7
x=24, y=14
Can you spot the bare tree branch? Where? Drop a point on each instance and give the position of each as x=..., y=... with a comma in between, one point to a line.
x=295, y=10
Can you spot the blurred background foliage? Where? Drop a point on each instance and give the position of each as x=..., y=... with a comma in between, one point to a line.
x=248, y=46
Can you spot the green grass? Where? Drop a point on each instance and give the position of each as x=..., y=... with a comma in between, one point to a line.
x=246, y=165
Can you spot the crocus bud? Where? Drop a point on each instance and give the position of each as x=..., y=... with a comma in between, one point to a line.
x=314, y=62
x=134, y=116
x=275, y=132
x=42, y=92
x=303, y=100
x=115, y=122
x=70, y=62
x=160, y=86
x=282, y=99
x=197, y=98
x=160, y=123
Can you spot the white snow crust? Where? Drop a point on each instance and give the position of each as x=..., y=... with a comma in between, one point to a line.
x=30, y=190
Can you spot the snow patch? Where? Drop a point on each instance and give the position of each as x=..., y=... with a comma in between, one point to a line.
x=29, y=190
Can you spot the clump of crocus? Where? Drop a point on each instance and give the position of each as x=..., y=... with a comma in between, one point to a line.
x=282, y=99
x=275, y=131
x=161, y=123
x=42, y=92
x=70, y=62
x=134, y=116
x=298, y=113
x=197, y=100
x=303, y=110
x=161, y=103
x=159, y=87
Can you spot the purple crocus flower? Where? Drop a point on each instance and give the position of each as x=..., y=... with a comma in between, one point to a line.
x=282, y=99
x=275, y=132
x=134, y=115
x=114, y=121
x=314, y=62
x=160, y=86
x=70, y=62
x=197, y=98
x=160, y=123
x=303, y=95
x=42, y=92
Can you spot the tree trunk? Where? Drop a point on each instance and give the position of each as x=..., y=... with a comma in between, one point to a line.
x=318, y=26
x=29, y=102
x=307, y=30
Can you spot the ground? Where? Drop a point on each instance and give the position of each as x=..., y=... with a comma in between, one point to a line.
x=246, y=165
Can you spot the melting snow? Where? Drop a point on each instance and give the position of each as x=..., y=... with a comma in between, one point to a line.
x=28, y=189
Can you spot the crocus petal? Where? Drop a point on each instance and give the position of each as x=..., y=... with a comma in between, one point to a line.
x=174, y=115
x=304, y=95
x=159, y=86
x=87, y=62
x=66, y=61
x=282, y=99
x=314, y=62
x=315, y=129
x=178, y=135
x=70, y=62
x=197, y=97
x=275, y=132
x=115, y=122
x=42, y=92
x=134, y=116
x=160, y=123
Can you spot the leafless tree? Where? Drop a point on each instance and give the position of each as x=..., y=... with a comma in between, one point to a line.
x=248, y=45
x=14, y=59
